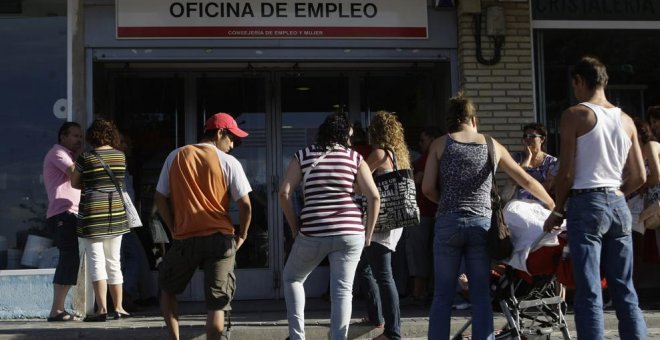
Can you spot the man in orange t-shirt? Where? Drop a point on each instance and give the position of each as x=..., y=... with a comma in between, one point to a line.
x=192, y=196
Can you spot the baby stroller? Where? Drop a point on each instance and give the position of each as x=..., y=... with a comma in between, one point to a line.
x=531, y=304
x=526, y=289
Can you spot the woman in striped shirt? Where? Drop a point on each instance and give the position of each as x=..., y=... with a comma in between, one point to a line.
x=330, y=222
x=102, y=215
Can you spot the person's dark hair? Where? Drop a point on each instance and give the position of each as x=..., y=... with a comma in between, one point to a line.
x=653, y=112
x=103, y=132
x=592, y=71
x=64, y=130
x=461, y=110
x=538, y=128
x=643, y=130
x=432, y=131
x=335, y=129
x=209, y=134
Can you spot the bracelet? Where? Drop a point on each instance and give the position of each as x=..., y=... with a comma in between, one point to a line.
x=557, y=213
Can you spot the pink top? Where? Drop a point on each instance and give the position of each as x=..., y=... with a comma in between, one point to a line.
x=61, y=196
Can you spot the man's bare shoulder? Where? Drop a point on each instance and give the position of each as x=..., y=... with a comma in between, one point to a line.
x=577, y=120
x=578, y=111
x=626, y=118
x=628, y=123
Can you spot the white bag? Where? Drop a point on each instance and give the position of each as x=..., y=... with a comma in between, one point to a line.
x=131, y=213
x=158, y=233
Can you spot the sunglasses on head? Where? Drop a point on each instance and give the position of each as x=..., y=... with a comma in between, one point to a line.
x=531, y=135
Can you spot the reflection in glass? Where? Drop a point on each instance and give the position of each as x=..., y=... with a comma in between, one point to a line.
x=244, y=98
x=149, y=112
x=306, y=101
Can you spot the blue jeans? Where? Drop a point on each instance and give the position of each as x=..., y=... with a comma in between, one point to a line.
x=343, y=252
x=375, y=275
x=599, y=235
x=461, y=236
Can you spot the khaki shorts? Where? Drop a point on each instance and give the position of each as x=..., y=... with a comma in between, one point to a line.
x=215, y=254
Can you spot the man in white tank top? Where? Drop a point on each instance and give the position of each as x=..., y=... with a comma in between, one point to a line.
x=598, y=141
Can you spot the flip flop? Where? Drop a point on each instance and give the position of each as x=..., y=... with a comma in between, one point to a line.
x=61, y=317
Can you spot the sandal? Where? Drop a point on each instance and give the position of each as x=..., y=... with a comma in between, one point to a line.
x=62, y=317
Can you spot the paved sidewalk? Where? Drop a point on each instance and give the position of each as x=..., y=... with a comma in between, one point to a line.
x=263, y=320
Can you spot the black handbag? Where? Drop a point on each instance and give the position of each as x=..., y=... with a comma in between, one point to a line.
x=499, y=242
x=398, y=202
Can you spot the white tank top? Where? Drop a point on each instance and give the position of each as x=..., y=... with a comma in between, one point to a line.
x=601, y=153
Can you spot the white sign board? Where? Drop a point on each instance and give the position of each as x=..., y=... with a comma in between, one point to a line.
x=294, y=19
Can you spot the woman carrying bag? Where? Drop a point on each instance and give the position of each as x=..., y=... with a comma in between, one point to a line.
x=330, y=222
x=102, y=215
x=458, y=176
x=375, y=268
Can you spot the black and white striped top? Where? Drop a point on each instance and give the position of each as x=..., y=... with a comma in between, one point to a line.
x=330, y=208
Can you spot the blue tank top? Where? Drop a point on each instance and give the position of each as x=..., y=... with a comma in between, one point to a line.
x=465, y=179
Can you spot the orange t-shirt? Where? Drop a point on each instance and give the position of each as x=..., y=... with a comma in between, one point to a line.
x=199, y=193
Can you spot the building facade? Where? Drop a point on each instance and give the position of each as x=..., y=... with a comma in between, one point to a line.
x=159, y=68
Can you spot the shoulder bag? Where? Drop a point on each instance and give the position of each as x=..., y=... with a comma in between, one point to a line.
x=651, y=215
x=398, y=202
x=131, y=213
x=500, y=246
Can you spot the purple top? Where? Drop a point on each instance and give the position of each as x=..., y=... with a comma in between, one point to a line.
x=549, y=166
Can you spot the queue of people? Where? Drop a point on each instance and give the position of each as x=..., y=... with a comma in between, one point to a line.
x=605, y=158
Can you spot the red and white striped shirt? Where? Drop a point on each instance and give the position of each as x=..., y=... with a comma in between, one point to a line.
x=330, y=208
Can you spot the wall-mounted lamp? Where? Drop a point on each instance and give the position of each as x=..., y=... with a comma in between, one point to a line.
x=495, y=30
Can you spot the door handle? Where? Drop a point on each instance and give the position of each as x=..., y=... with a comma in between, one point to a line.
x=275, y=181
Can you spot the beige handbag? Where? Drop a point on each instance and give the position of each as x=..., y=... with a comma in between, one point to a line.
x=651, y=215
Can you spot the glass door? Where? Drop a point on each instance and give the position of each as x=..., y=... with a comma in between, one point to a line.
x=246, y=98
x=149, y=113
x=281, y=110
x=305, y=100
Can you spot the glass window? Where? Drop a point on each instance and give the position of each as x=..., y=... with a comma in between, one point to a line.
x=631, y=60
x=416, y=96
x=34, y=75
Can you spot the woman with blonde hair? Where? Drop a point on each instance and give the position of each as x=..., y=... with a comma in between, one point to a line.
x=458, y=176
x=389, y=146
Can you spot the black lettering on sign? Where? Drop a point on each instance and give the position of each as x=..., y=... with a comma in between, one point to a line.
x=211, y=9
x=330, y=9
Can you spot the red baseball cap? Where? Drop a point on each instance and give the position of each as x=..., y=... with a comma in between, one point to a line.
x=223, y=120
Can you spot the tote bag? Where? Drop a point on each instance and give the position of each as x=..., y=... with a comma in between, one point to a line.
x=398, y=202
x=131, y=213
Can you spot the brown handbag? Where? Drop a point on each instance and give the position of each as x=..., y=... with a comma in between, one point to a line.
x=500, y=246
